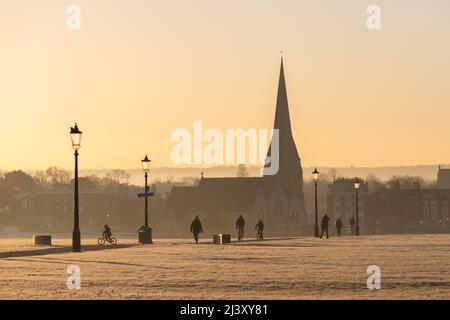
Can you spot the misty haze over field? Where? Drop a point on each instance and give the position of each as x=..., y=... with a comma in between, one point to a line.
x=428, y=172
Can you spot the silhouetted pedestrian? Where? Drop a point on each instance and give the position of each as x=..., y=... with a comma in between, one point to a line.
x=259, y=229
x=196, y=228
x=240, y=224
x=339, y=226
x=324, y=225
x=352, y=226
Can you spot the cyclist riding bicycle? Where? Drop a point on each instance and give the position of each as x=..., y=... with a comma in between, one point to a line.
x=107, y=232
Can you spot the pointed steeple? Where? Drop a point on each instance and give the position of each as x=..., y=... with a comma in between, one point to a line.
x=282, y=118
x=288, y=150
x=289, y=176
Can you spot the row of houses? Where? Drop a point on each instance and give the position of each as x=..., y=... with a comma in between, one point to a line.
x=393, y=210
x=52, y=210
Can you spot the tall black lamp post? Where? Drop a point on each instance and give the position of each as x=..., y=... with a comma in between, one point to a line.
x=146, y=167
x=316, y=226
x=145, y=233
x=357, y=182
x=75, y=135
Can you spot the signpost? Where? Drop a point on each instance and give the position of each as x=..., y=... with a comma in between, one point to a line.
x=145, y=233
x=145, y=195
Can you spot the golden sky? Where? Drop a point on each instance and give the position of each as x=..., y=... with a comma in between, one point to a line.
x=137, y=70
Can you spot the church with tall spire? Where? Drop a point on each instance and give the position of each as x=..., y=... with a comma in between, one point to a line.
x=276, y=197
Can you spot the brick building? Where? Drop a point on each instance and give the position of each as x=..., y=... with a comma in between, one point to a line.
x=341, y=203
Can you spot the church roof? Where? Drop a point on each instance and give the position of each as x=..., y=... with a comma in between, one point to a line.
x=245, y=182
x=215, y=195
x=182, y=199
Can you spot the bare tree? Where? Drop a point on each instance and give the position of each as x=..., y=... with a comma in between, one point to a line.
x=118, y=176
x=41, y=179
x=408, y=182
x=375, y=184
x=57, y=176
x=96, y=180
x=333, y=174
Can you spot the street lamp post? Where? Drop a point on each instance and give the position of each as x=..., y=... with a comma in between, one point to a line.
x=357, y=182
x=75, y=135
x=316, y=226
x=145, y=233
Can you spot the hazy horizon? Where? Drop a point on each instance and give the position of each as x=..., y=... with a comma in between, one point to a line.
x=177, y=173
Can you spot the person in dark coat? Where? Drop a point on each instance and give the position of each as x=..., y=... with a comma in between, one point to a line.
x=107, y=233
x=324, y=225
x=339, y=226
x=196, y=228
x=352, y=226
x=259, y=229
x=240, y=224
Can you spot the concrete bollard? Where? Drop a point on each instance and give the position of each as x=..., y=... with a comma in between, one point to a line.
x=226, y=238
x=221, y=238
x=42, y=240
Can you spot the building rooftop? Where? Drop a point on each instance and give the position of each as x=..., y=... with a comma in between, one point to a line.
x=443, y=178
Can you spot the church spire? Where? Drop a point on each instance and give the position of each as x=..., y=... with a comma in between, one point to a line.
x=288, y=150
x=282, y=118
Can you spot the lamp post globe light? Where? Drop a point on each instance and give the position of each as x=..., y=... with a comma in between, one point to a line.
x=316, y=225
x=145, y=233
x=357, y=182
x=75, y=136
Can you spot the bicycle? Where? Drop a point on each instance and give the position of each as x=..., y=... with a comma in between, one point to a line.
x=101, y=241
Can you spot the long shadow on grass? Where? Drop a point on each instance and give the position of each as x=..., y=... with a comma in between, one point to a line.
x=59, y=249
x=274, y=242
x=71, y=261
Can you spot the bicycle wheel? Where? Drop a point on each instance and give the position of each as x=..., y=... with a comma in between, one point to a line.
x=101, y=241
x=113, y=241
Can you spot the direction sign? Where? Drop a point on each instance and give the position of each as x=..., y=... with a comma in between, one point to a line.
x=145, y=195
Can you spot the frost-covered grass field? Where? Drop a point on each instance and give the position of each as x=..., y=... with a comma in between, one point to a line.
x=412, y=267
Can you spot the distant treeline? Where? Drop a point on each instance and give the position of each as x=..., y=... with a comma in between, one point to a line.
x=179, y=173
x=375, y=185
x=14, y=183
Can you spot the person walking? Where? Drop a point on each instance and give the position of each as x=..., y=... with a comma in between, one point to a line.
x=324, y=225
x=196, y=228
x=240, y=224
x=339, y=226
x=259, y=230
x=352, y=226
